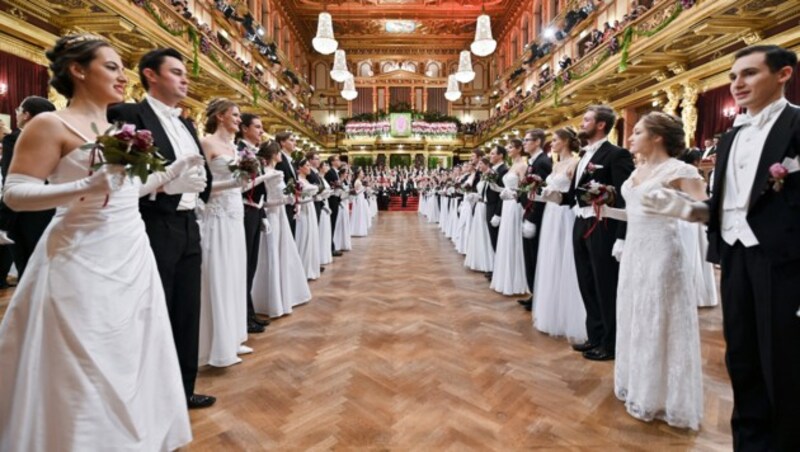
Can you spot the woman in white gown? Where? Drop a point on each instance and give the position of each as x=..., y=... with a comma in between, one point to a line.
x=359, y=216
x=465, y=211
x=658, y=371
x=508, y=276
x=223, y=294
x=557, y=303
x=280, y=281
x=341, y=233
x=307, y=231
x=695, y=242
x=480, y=254
x=88, y=359
x=325, y=234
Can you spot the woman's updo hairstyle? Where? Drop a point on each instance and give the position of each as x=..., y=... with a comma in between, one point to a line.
x=76, y=48
x=669, y=128
x=570, y=136
x=268, y=150
x=217, y=107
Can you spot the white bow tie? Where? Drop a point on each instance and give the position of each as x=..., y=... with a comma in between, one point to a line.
x=747, y=120
x=173, y=112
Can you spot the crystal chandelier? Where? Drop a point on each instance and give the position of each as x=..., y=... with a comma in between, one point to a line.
x=349, y=90
x=339, y=71
x=483, y=45
x=324, y=42
x=452, y=94
x=465, y=74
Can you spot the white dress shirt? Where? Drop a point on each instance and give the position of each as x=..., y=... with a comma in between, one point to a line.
x=745, y=154
x=181, y=140
x=587, y=211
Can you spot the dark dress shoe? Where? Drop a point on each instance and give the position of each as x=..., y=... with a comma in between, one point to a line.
x=527, y=302
x=262, y=322
x=253, y=327
x=599, y=354
x=338, y=253
x=584, y=347
x=488, y=275
x=322, y=270
x=200, y=401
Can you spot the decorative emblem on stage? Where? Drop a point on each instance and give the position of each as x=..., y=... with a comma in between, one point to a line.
x=400, y=124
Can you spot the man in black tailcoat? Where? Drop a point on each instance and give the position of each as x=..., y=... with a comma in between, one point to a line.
x=287, y=143
x=169, y=216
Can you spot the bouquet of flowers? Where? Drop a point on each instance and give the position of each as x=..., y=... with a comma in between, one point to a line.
x=123, y=145
x=490, y=177
x=246, y=166
x=293, y=187
x=598, y=195
x=531, y=184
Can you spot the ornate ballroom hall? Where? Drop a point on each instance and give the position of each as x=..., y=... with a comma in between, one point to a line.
x=400, y=344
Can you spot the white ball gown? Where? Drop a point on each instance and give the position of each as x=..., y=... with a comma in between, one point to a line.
x=325, y=234
x=280, y=280
x=307, y=231
x=462, y=227
x=359, y=217
x=693, y=237
x=88, y=358
x=480, y=254
x=657, y=372
x=557, y=303
x=223, y=290
x=341, y=233
x=509, y=277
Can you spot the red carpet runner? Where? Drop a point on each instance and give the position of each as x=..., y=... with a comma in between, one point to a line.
x=396, y=204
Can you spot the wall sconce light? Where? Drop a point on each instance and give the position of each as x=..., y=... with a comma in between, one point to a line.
x=729, y=112
x=3, y=89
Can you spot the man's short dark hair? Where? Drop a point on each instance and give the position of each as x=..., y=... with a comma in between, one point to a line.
x=537, y=134
x=331, y=158
x=776, y=57
x=280, y=137
x=34, y=105
x=605, y=114
x=501, y=150
x=478, y=153
x=153, y=60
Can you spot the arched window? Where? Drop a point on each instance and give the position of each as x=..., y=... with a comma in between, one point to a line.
x=365, y=69
x=514, y=47
x=432, y=70
x=537, y=18
x=480, y=76
x=525, y=31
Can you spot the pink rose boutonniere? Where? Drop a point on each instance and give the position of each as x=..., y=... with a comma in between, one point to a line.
x=777, y=173
x=591, y=168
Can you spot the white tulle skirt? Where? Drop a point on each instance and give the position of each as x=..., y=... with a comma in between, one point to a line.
x=480, y=254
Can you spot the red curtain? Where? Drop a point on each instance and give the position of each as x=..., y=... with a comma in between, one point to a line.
x=436, y=100
x=363, y=103
x=399, y=95
x=712, y=104
x=23, y=78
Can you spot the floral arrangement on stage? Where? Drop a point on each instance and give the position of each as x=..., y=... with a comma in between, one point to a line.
x=123, y=145
x=418, y=127
x=367, y=128
x=598, y=195
x=434, y=128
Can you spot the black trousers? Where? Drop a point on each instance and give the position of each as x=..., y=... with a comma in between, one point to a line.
x=26, y=230
x=760, y=300
x=318, y=207
x=404, y=197
x=175, y=239
x=290, y=217
x=598, y=273
x=491, y=211
x=6, y=259
x=334, y=202
x=530, y=249
x=252, y=237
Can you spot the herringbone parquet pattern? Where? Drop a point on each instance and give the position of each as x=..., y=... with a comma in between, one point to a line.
x=403, y=349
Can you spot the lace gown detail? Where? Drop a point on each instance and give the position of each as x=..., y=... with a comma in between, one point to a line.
x=509, y=260
x=88, y=358
x=480, y=254
x=223, y=300
x=307, y=231
x=657, y=371
x=558, y=307
x=280, y=280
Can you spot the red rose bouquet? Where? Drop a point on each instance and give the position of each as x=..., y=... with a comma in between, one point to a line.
x=598, y=195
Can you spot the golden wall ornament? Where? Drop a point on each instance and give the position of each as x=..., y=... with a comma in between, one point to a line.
x=57, y=99
x=673, y=99
x=689, y=112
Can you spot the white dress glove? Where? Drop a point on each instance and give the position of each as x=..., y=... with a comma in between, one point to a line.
x=265, y=226
x=673, y=203
x=551, y=195
x=5, y=239
x=189, y=181
x=495, y=187
x=26, y=193
x=495, y=221
x=178, y=167
x=507, y=194
x=289, y=199
x=528, y=229
x=617, y=249
x=614, y=213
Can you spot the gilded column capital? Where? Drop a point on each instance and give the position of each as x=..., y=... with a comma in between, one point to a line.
x=689, y=110
x=674, y=97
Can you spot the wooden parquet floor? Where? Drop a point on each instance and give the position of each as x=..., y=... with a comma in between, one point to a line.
x=404, y=349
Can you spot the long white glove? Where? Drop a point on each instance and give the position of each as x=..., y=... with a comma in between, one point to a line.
x=673, y=203
x=495, y=187
x=5, y=239
x=508, y=194
x=189, y=181
x=178, y=167
x=614, y=213
x=617, y=249
x=26, y=193
x=550, y=195
x=233, y=182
